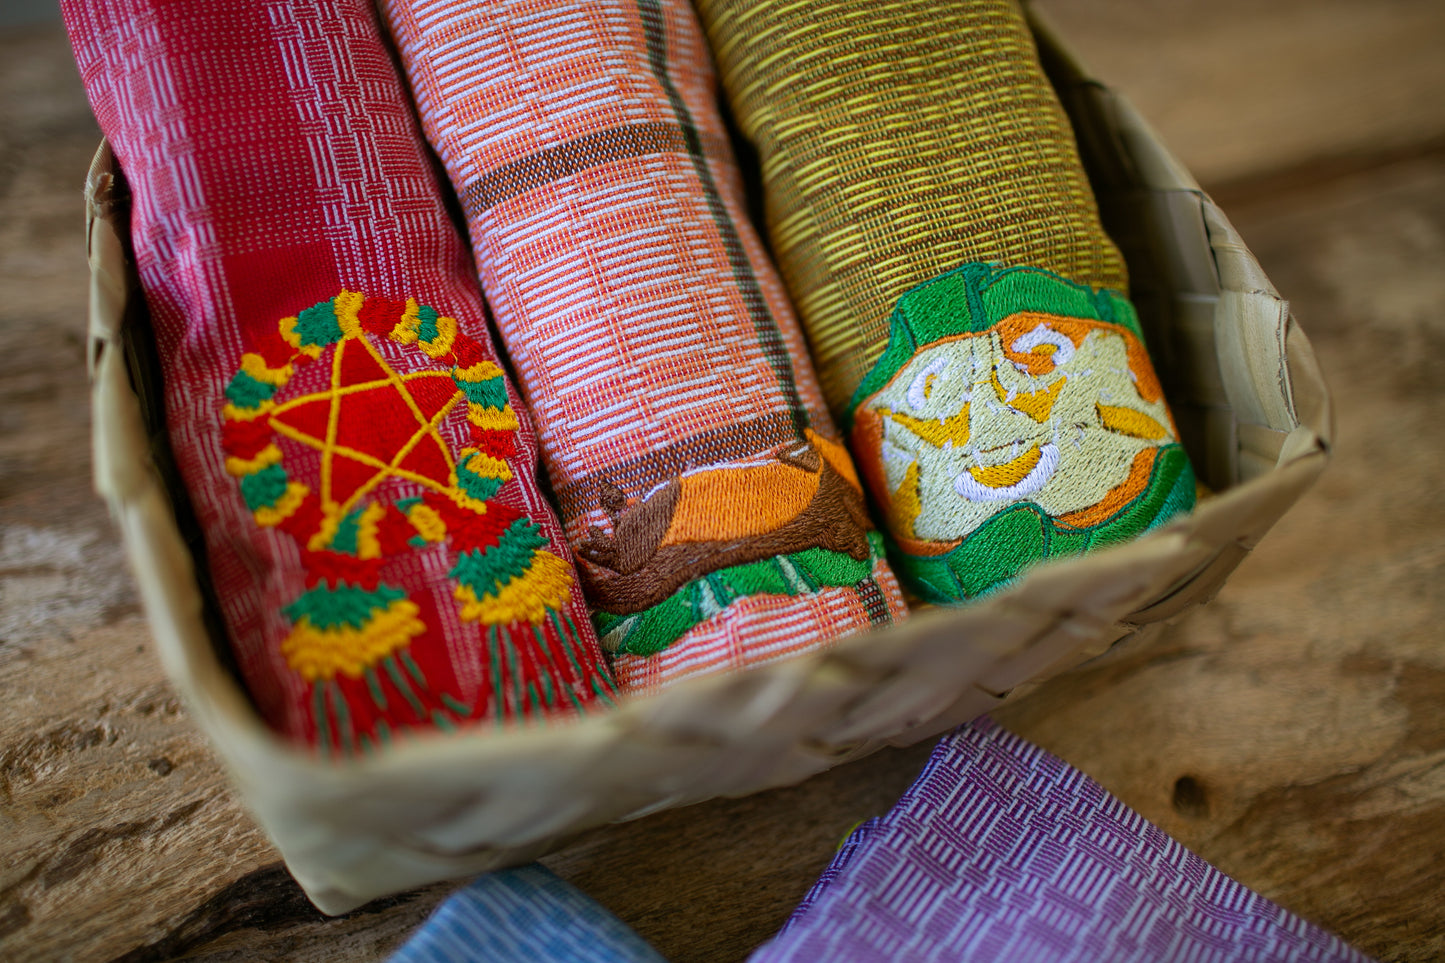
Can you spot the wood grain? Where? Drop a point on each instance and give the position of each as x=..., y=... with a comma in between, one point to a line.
x=1237, y=87
x=1292, y=731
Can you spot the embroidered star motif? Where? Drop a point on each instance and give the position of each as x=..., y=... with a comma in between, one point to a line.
x=372, y=423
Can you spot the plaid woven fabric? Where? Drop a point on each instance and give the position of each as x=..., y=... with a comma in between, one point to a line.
x=361, y=469
x=523, y=915
x=717, y=518
x=1001, y=851
x=967, y=312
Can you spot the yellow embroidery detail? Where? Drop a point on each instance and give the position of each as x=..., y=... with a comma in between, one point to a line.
x=427, y=522
x=937, y=432
x=487, y=466
x=331, y=515
x=466, y=501
x=368, y=545
x=481, y=371
x=492, y=419
x=446, y=336
x=322, y=654
x=287, y=327
x=405, y=330
x=546, y=585
x=270, y=455
x=272, y=515
x=1127, y=421
x=232, y=413
x=1037, y=404
x=255, y=366
x=347, y=306
x=1010, y=472
x=905, y=505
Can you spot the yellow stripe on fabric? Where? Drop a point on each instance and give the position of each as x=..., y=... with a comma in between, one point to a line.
x=899, y=140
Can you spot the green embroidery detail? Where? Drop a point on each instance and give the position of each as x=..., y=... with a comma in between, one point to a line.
x=378, y=695
x=801, y=573
x=490, y=393
x=426, y=328
x=317, y=325
x=460, y=708
x=245, y=391
x=343, y=717
x=348, y=530
x=402, y=685
x=1179, y=500
x=322, y=716
x=973, y=298
x=264, y=488
x=487, y=571
x=835, y=568
x=412, y=668
x=477, y=486
x=996, y=552
x=344, y=605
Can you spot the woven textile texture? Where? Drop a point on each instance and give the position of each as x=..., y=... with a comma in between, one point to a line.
x=1002, y=852
x=361, y=469
x=968, y=315
x=717, y=518
x=899, y=140
x=523, y=915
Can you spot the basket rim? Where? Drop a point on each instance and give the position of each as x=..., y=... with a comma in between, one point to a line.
x=1108, y=590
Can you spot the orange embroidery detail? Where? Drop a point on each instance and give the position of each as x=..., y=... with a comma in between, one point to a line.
x=1119, y=496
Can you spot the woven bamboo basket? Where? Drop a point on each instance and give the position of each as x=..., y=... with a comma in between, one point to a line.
x=1246, y=393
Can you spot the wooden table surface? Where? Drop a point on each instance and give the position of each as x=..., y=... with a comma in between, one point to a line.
x=1292, y=731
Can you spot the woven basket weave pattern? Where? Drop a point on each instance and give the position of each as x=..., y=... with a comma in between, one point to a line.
x=1252, y=410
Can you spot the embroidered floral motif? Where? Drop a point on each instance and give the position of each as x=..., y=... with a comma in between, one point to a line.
x=1013, y=416
x=389, y=483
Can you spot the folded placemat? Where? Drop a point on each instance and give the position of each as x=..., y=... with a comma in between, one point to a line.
x=716, y=516
x=360, y=466
x=1000, y=851
x=969, y=316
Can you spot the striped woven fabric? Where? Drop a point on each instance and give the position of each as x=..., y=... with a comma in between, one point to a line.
x=967, y=312
x=360, y=467
x=1001, y=851
x=523, y=915
x=717, y=518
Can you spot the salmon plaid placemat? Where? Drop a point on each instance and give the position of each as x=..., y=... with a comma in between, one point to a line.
x=717, y=518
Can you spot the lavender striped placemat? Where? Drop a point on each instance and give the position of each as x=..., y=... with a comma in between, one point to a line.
x=1003, y=852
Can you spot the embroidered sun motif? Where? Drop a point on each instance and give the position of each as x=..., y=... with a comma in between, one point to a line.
x=387, y=482
x=371, y=424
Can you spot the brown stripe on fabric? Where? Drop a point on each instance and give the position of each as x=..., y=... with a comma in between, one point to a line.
x=769, y=336
x=871, y=595
x=639, y=475
x=564, y=160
